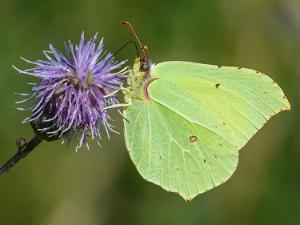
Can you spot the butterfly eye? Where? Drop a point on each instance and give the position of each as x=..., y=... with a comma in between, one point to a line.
x=144, y=67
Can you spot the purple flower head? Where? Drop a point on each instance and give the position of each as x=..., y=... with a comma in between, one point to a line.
x=74, y=91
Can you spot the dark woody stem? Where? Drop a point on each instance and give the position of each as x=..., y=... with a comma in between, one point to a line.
x=23, y=149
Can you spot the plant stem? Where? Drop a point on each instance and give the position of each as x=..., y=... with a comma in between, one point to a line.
x=21, y=153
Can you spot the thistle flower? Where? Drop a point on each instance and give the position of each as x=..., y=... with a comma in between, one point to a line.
x=73, y=92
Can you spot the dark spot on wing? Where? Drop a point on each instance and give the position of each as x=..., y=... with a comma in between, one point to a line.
x=220, y=144
x=219, y=66
x=215, y=156
x=239, y=68
x=224, y=123
x=204, y=160
x=193, y=138
x=218, y=85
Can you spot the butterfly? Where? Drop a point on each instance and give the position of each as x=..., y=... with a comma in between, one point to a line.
x=185, y=122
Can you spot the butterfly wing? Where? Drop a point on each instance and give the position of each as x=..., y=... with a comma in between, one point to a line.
x=186, y=137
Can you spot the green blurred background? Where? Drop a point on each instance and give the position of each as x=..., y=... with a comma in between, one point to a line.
x=57, y=186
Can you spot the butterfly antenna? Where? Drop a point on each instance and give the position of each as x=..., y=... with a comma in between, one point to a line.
x=143, y=47
x=125, y=45
x=119, y=50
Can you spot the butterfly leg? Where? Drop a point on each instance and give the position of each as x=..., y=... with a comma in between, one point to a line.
x=123, y=89
x=122, y=114
x=117, y=106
